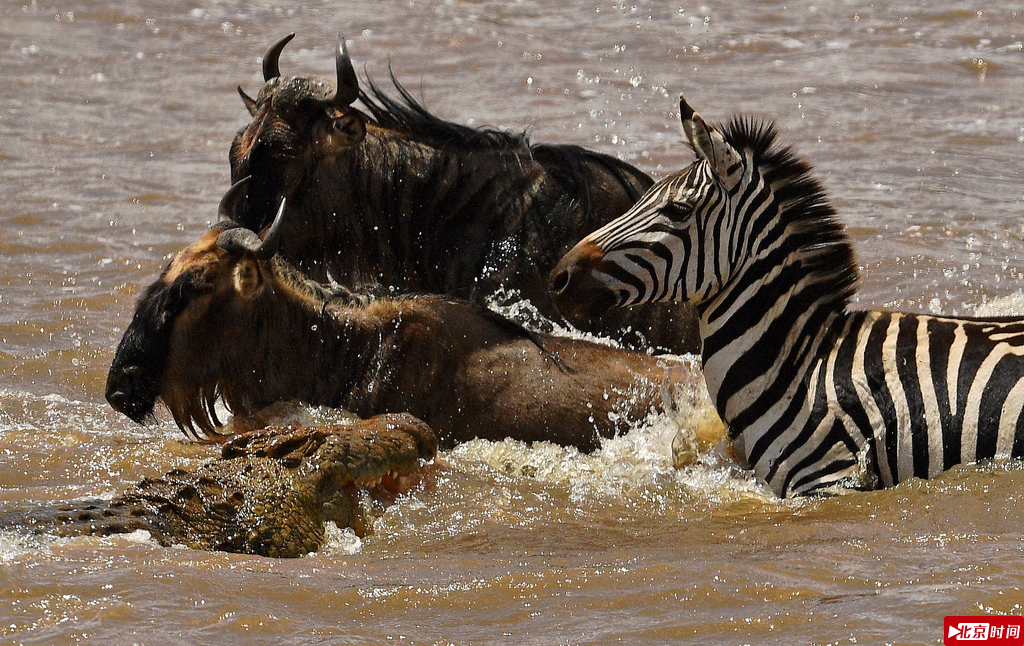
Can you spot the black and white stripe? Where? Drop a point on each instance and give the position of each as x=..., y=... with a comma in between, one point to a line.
x=818, y=396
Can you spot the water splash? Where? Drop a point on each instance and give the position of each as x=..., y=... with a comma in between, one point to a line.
x=1009, y=305
x=340, y=542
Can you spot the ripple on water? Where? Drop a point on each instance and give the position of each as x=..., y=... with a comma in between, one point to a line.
x=535, y=542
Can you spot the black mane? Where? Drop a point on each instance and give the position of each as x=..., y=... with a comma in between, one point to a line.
x=407, y=115
x=566, y=163
x=804, y=203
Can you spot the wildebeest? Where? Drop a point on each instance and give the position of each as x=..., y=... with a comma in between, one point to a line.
x=404, y=199
x=228, y=318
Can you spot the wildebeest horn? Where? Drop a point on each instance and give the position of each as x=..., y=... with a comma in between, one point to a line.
x=348, y=84
x=241, y=239
x=226, y=209
x=272, y=239
x=270, y=68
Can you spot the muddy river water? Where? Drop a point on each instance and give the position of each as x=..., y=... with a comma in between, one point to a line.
x=115, y=122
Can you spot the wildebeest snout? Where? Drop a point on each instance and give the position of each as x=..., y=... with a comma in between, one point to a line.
x=127, y=392
x=576, y=290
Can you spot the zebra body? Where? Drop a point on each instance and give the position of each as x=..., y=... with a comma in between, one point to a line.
x=884, y=396
x=817, y=395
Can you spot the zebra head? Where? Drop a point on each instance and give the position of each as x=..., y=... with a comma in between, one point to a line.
x=675, y=243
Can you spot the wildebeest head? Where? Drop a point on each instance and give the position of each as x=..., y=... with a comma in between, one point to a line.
x=297, y=121
x=179, y=316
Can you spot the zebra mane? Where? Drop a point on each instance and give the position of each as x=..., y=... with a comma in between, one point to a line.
x=802, y=202
x=407, y=115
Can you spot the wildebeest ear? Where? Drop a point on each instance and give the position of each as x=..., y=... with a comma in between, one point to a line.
x=710, y=145
x=246, y=276
x=250, y=103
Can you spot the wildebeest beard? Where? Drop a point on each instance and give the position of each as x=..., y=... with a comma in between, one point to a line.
x=266, y=350
x=425, y=205
x=141, y=356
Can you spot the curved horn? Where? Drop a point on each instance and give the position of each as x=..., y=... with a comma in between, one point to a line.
x=241, y=239
x=272, y=238
x=226, y=209
x=348, y=84
x=270, y=68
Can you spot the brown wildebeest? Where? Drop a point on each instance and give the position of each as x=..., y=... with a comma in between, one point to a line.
x=228, y=318
x=403, y=199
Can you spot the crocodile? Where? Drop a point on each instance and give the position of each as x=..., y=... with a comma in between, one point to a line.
x=269, y=493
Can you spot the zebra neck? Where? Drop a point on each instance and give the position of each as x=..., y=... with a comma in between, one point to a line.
x=759, y=337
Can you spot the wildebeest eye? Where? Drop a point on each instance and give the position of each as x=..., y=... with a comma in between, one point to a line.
x=350, y=127
x=180, y=293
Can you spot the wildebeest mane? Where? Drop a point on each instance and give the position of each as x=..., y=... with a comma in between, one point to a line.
x=565, y=163
x=334, y=296
x=407, y=115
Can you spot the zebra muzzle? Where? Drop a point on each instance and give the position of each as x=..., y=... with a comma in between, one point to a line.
x=575, y=288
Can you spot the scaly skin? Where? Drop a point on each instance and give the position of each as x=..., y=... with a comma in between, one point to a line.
x=270, y=492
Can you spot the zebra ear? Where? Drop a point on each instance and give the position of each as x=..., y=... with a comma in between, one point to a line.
x=710, y=145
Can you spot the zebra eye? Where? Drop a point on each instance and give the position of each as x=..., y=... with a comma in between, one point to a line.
x=677, y=210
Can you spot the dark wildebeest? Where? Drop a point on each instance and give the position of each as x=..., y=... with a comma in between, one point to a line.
x=403, y=199
x=229, y=319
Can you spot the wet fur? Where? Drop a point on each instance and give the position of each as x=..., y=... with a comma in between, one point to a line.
x=463, y=369
x=426, y=205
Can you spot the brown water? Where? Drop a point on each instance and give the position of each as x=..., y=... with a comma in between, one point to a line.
x=115, y=121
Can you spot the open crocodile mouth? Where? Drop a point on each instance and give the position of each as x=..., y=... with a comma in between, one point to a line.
x=385, y=458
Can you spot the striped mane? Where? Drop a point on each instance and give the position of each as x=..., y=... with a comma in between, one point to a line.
x=803, y=205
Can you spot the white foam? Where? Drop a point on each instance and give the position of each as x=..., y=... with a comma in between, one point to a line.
x=340, y=542
x=512, y=306
x=289, y=414
x=1010, y=305
x=685, y=445
x=14, y=545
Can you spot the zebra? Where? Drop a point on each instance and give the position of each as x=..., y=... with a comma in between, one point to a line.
x=819, y=397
